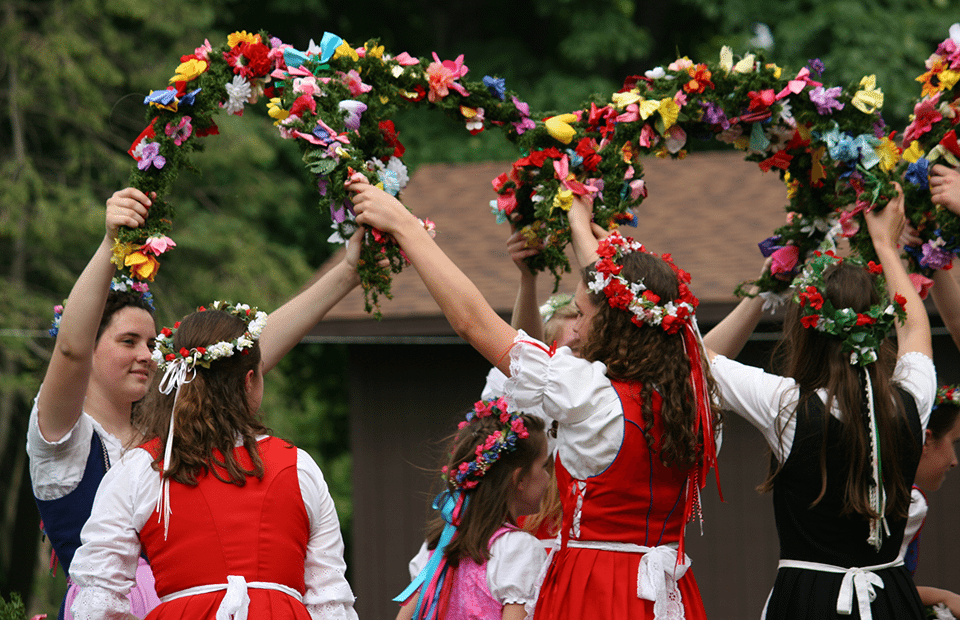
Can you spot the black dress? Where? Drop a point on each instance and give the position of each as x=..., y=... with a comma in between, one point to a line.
x=823, y=535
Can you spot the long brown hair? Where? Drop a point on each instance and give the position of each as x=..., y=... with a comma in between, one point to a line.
x=212, y=409
x=649, y=355
x=817, y=361
x=488, y=508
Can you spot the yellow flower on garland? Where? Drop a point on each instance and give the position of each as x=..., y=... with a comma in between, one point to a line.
x=626, y=152
x=374, y=51
x=243, y=36
x=817, y=173
x=945, y=79
x=913, y=152
x=559, y=127
x=142, y=265
x=889, y=154
x=793, y=185
x=189, y=71
x=622, y=100
x=669, y=111
x=563, y=199
x=275, y=111
x=345, y=51
x=869, y=98
x=776, y=70
x=530, y=235
x=120, y=252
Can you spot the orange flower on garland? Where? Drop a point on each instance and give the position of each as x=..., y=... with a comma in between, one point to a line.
x=700, y=79
x=142, y=264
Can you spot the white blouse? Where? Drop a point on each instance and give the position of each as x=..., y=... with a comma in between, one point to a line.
x=105, y=566
x=768, y=401
x=516, y=558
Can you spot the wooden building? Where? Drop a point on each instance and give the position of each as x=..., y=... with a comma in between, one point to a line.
x=412, y=378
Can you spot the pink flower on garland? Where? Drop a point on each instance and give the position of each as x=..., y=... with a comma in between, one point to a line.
x=443, y=75
x=158, y=244
x=181, y=131
x=784, y=260
x=354, y=83
x=922, y=285
x=925, y=114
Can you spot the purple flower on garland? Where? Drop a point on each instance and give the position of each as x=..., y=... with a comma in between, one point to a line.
x=496, y=86
x=151, y=156
x=770, y=245
x=714, y=115
x=918, y=172
x=816, y=66
x=354, y=110
x=181, y=131
x=525, y=123
x=826, y=99
x=934, y=257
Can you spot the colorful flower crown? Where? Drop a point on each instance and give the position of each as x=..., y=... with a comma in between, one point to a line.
x=947, y=395
x=120, y=284
x=862, y=333
x=634, y=297
x=468, y=473
x=165, y=355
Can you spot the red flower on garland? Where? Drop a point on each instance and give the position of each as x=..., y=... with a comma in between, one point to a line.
x=389, y=133
x=863, y=319
x=762, y=100
x=810, y=321
x=812, y=297
x=700, y=79
x=250, y=60
x=618, y=294
x=874, y=268
x=586, y=150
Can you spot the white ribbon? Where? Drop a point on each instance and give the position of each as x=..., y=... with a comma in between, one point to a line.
x=177, y=373
x=857, y=581
x=657, y=574
x=236, y=602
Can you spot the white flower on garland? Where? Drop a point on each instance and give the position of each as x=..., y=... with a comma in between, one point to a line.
x=238, y=91
x=397, y=166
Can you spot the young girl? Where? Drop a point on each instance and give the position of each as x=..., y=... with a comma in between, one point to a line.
x=841, y=481
x=476, y=562
x=939, y=456
x=81, y=418
x=236, y=523
x=636, y=428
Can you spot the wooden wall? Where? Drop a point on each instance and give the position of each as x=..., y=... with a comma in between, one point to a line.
x=406, y=398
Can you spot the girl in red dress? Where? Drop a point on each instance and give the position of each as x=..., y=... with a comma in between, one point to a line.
x=235, y=523
x=636, y=426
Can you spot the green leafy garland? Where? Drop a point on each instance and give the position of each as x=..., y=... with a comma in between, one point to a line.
x=827, y=144
x=336, y=101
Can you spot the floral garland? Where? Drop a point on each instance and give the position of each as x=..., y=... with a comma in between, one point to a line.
x=554, y=303
x=634, y=297
x=467, y=474
x=947, y=395
x=862, y=333
x=165, y=356
x=931, y=137
x=828, y=145
x=334, y=100
x=120, y=284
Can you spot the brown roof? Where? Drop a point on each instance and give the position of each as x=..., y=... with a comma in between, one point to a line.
x=709, y=210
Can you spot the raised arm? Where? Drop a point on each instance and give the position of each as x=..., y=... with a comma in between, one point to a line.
x=946, y=296
x=729, y=336
x=461, y=302
x=68, y=375
x=526, y=309
x=945, y=187
x=288, y=324
x=585, y=243
x=885, y=227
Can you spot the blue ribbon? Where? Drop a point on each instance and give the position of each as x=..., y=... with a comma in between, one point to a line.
x=328, y=47
x=446, y=503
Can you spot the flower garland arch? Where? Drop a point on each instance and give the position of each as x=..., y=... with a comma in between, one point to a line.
x=335, y=100
x=828, y=143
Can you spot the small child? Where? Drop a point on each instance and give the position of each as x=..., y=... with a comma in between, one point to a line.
x=478, y=563
x=939, y=456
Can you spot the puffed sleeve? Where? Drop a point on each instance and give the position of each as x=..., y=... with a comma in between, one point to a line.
x=765, y=400
x=515, y=562
x=418, y=561
x=916, y=374
x=494, y=386
x=105, y=566
x=328, y=595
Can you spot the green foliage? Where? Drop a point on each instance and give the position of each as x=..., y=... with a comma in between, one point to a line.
x=14, y=609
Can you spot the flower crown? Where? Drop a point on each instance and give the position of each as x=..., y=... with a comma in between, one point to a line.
x=947, y=395
x=862, y=333
x=165, y=355
x=634, y=297
x=120, y=284
x=468, y=474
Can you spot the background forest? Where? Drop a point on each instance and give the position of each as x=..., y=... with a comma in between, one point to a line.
x=73, y=74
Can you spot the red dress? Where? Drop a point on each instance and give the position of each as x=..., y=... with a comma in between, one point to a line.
x=636, y=500
x=258, y=531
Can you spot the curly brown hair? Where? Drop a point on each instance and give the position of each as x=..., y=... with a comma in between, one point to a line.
x=212, y=409
x=488, y=508
x=648, y=355
x=817, y=361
